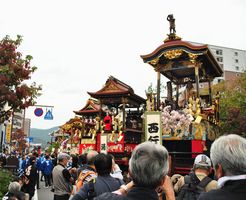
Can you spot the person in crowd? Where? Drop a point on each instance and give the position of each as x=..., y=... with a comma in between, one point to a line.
x=148, y=168
x=54, y=162
x=31, y=178
x=88, y=161
x=102, y=183
x=75, y=161
x=38, y=166
x=14, y=191
x=20, y=162
x=86, y=172
x=73, y=164
x=39, y=169
x=116, y=171
x=47, y=168
x=228, y=157
x=198, y=181
x=42, y=160
x=82, y=160
x=54, y=159
x=24, y=162
x=2, y=159
x=62, y=180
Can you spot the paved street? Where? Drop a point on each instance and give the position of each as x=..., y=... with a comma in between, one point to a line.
x=44, y=193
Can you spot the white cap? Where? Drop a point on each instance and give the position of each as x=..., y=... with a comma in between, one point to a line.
x=202, y=160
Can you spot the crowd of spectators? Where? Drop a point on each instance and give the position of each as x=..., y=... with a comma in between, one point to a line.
x=97, y=176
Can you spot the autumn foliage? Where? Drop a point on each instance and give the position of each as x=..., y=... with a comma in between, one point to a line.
x=233, y=106
x=15, y=92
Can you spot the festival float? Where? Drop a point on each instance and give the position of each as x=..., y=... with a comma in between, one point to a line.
x=115, y=119
x=91, y=125
x=68, y=136
x=189, y=118
x=110, y=122
x=120, y=127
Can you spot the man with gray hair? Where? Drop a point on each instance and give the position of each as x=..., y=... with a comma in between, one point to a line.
x=228, y=156
x=15, y=191
x=62, y=178
x=87, y=172
x=148, y=168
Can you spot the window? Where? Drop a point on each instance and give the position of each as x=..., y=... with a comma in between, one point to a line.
x=237, y=68
x=236, y=60
x=219, y=52
x=222, y=66
x=219, y=59
x=235, y=53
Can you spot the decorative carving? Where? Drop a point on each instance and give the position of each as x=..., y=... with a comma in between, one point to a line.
x=192, y=57
x=110, y=86
x=176, y=53
x=154, y=61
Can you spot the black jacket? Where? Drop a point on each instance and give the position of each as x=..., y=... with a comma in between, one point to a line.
x=136, y=193
x=235, y=190
x=102, y=184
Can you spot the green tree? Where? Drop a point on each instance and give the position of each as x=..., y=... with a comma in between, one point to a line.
x=14, y=73
x=233, y=105
x=5, y=177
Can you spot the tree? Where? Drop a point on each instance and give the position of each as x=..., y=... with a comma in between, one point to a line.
x=14, y=72
x=233, y=105
x=19, y=137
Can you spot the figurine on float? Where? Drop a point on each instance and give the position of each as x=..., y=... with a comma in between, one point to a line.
x=189, y=92
x=107, y=120
x=171, y=20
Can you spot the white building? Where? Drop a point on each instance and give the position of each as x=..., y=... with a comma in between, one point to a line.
x=18, y=120
x=232, y=61
x=27, y=126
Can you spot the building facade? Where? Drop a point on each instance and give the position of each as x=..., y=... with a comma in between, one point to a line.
x=232, y=61
x=27, y=126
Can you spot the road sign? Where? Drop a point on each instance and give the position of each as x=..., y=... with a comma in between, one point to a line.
x=38, y=112
x=48, y=115
x=29, y=139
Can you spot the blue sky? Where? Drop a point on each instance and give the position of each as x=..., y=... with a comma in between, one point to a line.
x=78, y=44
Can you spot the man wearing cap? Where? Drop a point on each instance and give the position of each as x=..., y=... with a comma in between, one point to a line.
x=201, y=169
x=62, y=178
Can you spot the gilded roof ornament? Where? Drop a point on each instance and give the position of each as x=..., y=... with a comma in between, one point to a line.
x=173, y=54
x=192, y=57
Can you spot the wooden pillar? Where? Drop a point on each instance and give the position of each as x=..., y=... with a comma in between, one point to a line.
x=197, y=80
x=158, y=90
x=124, y=113
x=210, y=92
x=177, y=96
x=100, y=111
x=169, y=91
